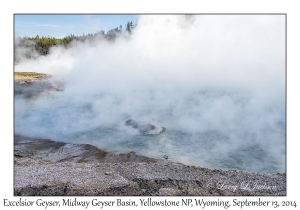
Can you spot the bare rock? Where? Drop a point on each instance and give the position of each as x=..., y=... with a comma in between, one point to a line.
x=45, y=167
x=168, y=192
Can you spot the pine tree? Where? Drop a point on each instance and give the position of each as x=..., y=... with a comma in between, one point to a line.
x=128, y=28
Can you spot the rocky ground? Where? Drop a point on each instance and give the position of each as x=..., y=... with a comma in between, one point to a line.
x=45, y=167
x=32, y=84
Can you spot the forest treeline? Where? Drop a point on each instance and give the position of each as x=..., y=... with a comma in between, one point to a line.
x=32, y=47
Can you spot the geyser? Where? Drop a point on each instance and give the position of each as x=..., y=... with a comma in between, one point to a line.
x=215, y=82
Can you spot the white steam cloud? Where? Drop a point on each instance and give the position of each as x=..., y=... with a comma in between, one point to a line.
x=217, y=83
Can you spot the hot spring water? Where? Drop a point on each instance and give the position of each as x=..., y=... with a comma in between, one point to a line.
x=190, y=137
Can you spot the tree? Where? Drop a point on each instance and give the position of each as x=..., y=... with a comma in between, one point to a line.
x=128, y=27
x=42, y=45
x=131, y=25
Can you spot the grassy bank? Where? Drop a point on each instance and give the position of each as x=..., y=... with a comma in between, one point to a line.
x=29, y=76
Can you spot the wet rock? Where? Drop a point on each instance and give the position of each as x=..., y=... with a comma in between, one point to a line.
x=52, y=151
x=131, y=123
x=145, y=129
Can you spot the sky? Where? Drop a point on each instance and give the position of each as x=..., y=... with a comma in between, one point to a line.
x=62, y=25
